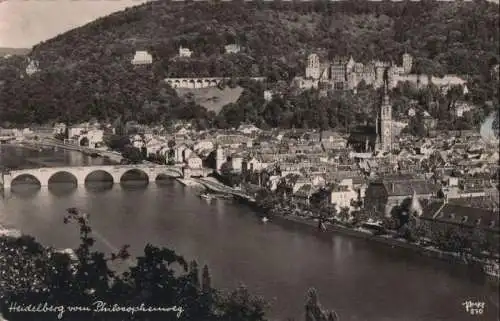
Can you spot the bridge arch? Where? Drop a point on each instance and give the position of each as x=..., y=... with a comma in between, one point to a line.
x=60, y=177
x=142, y=175
x=184, y=83
x=99, y=175
x=25, y=179
x=162, y=177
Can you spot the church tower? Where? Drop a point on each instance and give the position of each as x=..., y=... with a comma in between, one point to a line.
x=313, y=67
x=386, y=122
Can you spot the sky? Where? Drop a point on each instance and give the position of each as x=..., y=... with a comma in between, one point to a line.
x=24, y=23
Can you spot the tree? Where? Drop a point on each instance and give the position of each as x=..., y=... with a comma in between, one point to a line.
x=496, y=125
x=314, y=311
x=84, y=79
x=117, y=142
x=206, y=280
x=241, y=305
x=416, y=125
x=344, y=214
x=133, y=154
x=159, y=278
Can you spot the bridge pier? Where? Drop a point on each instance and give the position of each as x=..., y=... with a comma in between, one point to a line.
x=6, y=181
x=6, y=193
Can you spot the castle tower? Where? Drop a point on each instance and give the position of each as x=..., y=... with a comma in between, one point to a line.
x=219, y=158
x=386, y=122
x=313, y=67
x=407, y=63
x=392, y=77
x=352, y=80
x=379, y=75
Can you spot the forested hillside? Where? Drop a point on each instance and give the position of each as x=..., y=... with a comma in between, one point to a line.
x=86, y=72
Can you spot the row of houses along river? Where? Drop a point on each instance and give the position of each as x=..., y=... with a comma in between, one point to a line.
x=360, y=280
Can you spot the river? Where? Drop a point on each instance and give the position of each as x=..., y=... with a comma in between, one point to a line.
x=361, y=281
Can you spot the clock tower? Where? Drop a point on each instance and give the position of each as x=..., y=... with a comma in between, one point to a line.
x=385, y=131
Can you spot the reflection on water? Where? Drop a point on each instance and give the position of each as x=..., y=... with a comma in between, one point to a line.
x=62, y=189
x=25, y=190
x=96, y=187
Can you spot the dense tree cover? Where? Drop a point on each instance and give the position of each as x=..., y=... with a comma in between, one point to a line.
x=308, y=109
x=33, y=274
x=86, y=72
x=496, y=125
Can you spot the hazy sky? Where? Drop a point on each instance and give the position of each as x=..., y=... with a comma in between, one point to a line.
x=24, y=23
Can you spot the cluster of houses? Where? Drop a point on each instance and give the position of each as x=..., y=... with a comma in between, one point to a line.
x=456, y=169
x=86, y=134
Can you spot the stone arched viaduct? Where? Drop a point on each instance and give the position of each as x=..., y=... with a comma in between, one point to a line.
x=81, y=173
x=195, y=83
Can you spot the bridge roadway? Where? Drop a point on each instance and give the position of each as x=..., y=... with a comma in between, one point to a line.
x=221, y=188
x=81, y=173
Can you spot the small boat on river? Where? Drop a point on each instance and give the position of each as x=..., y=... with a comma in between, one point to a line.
x=206, y=196
x=265, y=219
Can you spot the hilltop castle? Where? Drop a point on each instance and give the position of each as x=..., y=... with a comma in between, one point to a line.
x=344, y=73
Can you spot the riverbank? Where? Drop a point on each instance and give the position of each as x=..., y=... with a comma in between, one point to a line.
x=113, y=156
x=189, y=182
x=388, y=240
x=360, y=233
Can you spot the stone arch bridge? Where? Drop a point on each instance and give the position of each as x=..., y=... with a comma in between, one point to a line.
x=195, y=83
x=81, y=173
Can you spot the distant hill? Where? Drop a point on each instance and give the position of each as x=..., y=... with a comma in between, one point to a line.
x=86, y=72
x=14, y=51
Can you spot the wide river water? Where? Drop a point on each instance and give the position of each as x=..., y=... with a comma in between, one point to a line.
x=361, y=281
